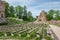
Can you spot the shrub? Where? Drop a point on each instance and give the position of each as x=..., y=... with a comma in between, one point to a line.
x=16, y=34
x=8, y=34
x=1, y=33
x=33, y=34
x=37, y=38
x=24, y=34
x=48, y=38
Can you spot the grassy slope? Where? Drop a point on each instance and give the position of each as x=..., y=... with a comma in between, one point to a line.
x=12, y=21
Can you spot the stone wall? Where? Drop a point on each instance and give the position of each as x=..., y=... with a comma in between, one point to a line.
x=2, y=11
x=41, y=18
x=54, y=22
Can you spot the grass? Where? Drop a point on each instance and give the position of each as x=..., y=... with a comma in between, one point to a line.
x=13, y=21
x=48, y=38
x=1, y=33
x=24, y=34
x=58, y=25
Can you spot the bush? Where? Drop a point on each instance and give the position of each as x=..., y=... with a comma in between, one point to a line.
x=38, y=38
x=1, y=33
x=41, y=36
x=48, y=38
x=33, y=34
x=16, y=34
x=24, y=34
x=8, y=34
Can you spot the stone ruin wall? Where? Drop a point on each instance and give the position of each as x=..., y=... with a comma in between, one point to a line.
x=54, y=22
x=2, y=12
x=42, y=19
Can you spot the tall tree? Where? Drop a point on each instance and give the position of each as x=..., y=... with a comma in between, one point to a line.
x=30, y=17
x=25, y=14
x=49, y=17
x=50, y=14
x=57, y=17
x=7, y=9
x=12, y=11
x=19, y=11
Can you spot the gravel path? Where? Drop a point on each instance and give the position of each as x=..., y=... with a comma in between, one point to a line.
x=56, y=30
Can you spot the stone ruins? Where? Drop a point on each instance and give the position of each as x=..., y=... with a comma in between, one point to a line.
x=2, y=11
x=41, y=18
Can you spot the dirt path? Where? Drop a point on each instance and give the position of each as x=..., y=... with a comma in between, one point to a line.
x=56, y=30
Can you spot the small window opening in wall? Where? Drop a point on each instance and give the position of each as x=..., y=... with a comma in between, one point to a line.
x=40, y=20
x=0, y=11
x=2, y=15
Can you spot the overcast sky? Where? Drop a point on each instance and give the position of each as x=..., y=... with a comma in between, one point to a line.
x=36, y=6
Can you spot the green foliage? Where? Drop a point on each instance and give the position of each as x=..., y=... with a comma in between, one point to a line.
x=12, y=21
x=8, y=34
x=30, y=17
x=37, y=38
x=53, y=15
x=1, y=33
x=33, y=34
x=24, y=34
x=16, y=34
x=49, y=17
x=22, y=13
x=11, y=11
x=25, y=14
x=41, y=34
x=48, y=38
x=19, y=11
x=57, y=17
x=7, y=9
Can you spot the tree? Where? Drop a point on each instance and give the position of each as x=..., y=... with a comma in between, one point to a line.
x=19, y=11
x=25, y=14
x=50, y=15
x=30, y=16
x=11, y=11
x=57, y=17
x=51, y=12
x=7, y=9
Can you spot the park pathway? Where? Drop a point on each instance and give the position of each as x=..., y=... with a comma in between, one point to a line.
x=56, y=30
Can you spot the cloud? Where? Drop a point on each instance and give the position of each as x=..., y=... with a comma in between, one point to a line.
x=45, y=6
x=19, y=2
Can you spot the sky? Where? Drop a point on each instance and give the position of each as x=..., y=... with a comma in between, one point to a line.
x=36, y=6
